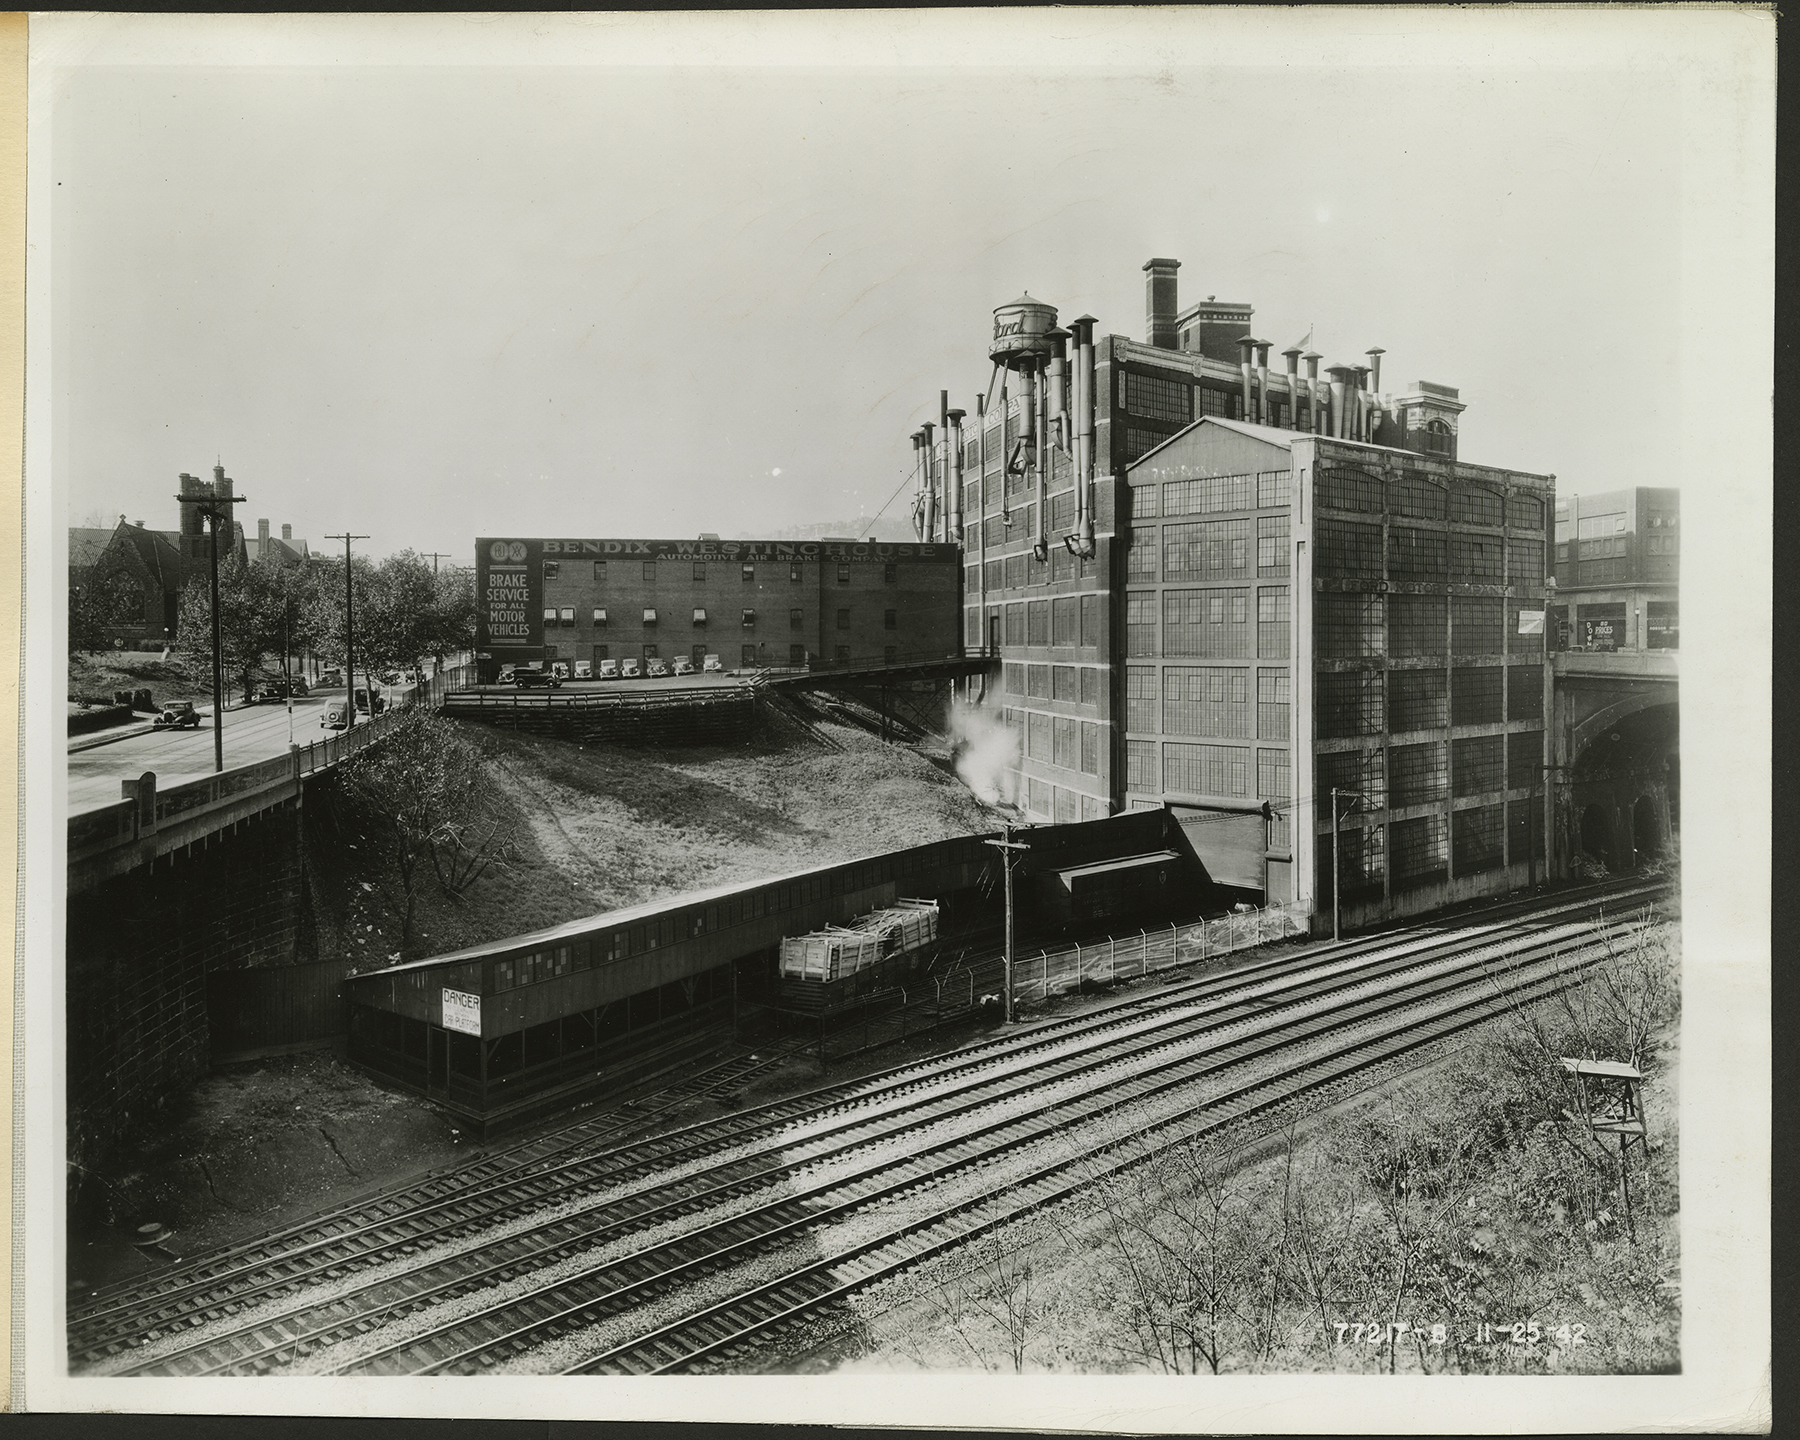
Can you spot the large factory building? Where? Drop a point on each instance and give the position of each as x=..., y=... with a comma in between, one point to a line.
x=755, y=604
x=1229, y=591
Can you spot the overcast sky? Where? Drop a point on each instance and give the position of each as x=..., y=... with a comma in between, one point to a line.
x=435, y=302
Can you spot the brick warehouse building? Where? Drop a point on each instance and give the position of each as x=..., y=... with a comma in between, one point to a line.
x=1618, y=562
x=753, y=603
x=1135, y=675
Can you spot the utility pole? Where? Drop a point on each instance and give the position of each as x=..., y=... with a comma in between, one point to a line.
x=434, y=556
x=350, y=639
x=1336, y=871
x=1006, y=846
x=209, y=510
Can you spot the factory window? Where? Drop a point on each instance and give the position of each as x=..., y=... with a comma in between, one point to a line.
x=1139, y=443
x=1415, y=554
x=550, y=615
x=796, y=619
x=972, y=629
x=1064, y=620
x=1062, y=563
x=1416, y=774
x=1476, y=764
x=1437, y=437
x=1418, y=852
x=996, y=574
x=1140, y=699
x=1273, y=784
x=1524, y=644
x=1415, y=701
x=1474, y=559
x=1525, y=560
x=794, y=573
x=1140, y=554
x=1347, y=548
x=1206, y=769
x=1206, y=701
x=1274, y=487
x=1090, y=686
x=699, y=616
x=1062, y=510
x=566, y=616
x=1038, y=798
x=843, y=620
x=1349, y=704
x=1209, y=548
x=549, y=652
x=1015, y=623
x=1524, y=759
x=1142, y=502
x=1140, y=622
x=1271, y=544
x=1349, y=625
x=796, y=654
x=552, y=568
x=599, y=616
x=649, y=617
x=1416, y=497
x=1140, y=765
x=1272, y=622
x=1068, y=754
x=1352, y=773
x=843, y=574
x=1090, y=748
x=1158, y=398
x=1360, y=859
x=699, y=569
x=749, y=619
x=603, y=652
x=1341, y=487
x=843, y=654
x=1416, y=624
x=1214, y=401
x=749, y=574
x=1038, y=617
x=1475, y=696
x=1475, y=624
x=1064, y=685
x=599, y=572
x=749, y=657
x=1662, y=625
x=890, y=574
x=1208, y=494
x=650, y=572
x=1525, y=692
x=1012, y=678
x=650, y=652
x=1477, y=839
x=1470, y=505
x=1015, y=572
x=1037, y=681
x=1525, y=511
x=1272, y=705
x=1038, y=742
x=1208, y=623
x=1090, y=619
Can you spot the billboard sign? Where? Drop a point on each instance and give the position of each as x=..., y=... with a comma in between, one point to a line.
x=462, y=1011
x=744, y=551
x=509, y=592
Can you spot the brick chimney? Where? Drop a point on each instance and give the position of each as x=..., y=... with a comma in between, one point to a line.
x=287, y=532
x=1159, y=303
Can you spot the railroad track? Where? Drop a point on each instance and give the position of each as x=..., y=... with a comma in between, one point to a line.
x=1278, y=1004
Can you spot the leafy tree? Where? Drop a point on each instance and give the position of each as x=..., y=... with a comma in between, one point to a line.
x=87, y=631
x=243, y=624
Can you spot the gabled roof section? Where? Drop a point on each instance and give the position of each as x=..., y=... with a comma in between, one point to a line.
x=87, y=544
x=1267, y=434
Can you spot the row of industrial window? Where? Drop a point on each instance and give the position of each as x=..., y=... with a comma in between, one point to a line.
x=1064, y=620
x=1204, y=495
x=1365, y=702
x=1350, y=624
x=1208, y=549
x=1342, y=487
x=1207, y=624
x=890, y=573
x=1408, y=854
x=1207, y=700
x=1015, y=572
x=890, y=619
x=1045, y=801
x=1346, y=547
x=1063, y=741
x=1079, y=685
x=1194, y=769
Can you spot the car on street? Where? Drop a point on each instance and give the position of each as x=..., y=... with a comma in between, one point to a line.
x=628, y=669
x=656, y=669
x=560, y=670
x=530, y=678
x=712, y=665
x=681, y=665
x=365, y=700
x=584, y=670
x=177, y=715
x=334, y=716
x=331, y=676
x=609, y=670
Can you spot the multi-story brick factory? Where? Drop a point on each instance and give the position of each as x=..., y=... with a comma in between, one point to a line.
x=1233, y=592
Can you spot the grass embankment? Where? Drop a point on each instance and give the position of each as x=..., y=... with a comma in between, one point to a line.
x=597, y=827
x=105, y=671
x=1457, y=1221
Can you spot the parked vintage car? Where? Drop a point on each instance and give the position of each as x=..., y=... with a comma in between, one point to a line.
x=712, y=665
x=628, y=669
x=656, y=669
x=335, y=716
x=177, y=715
x=681, y=665
x=609, y=670
x=560, y=669
x=584, y=669
x=529, y=678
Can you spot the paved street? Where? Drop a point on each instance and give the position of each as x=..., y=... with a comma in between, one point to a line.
x=251, y=734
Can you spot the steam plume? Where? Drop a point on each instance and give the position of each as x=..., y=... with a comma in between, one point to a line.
x=986, y=750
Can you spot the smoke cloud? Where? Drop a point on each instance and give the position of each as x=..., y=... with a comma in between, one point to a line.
x=986, y=750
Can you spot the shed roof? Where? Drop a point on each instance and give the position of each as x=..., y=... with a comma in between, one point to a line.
x=1130, y=862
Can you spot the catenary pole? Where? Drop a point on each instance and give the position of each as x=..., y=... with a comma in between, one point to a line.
x=209, y=504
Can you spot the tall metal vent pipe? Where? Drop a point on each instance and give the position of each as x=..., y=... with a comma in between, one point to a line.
x=918, y=490
x=1313, y=398
x=1041, y=457
x=1340, y=379
x=981, y=505
x=954, y=444
x=1362, y=402
x=1292, y=356
x=1059, y=389
x=1085, y=412
x=931, y=498
x=1262, y=381
x=1246, y=353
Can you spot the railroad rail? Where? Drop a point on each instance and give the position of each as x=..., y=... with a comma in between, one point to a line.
x=553, y=1208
